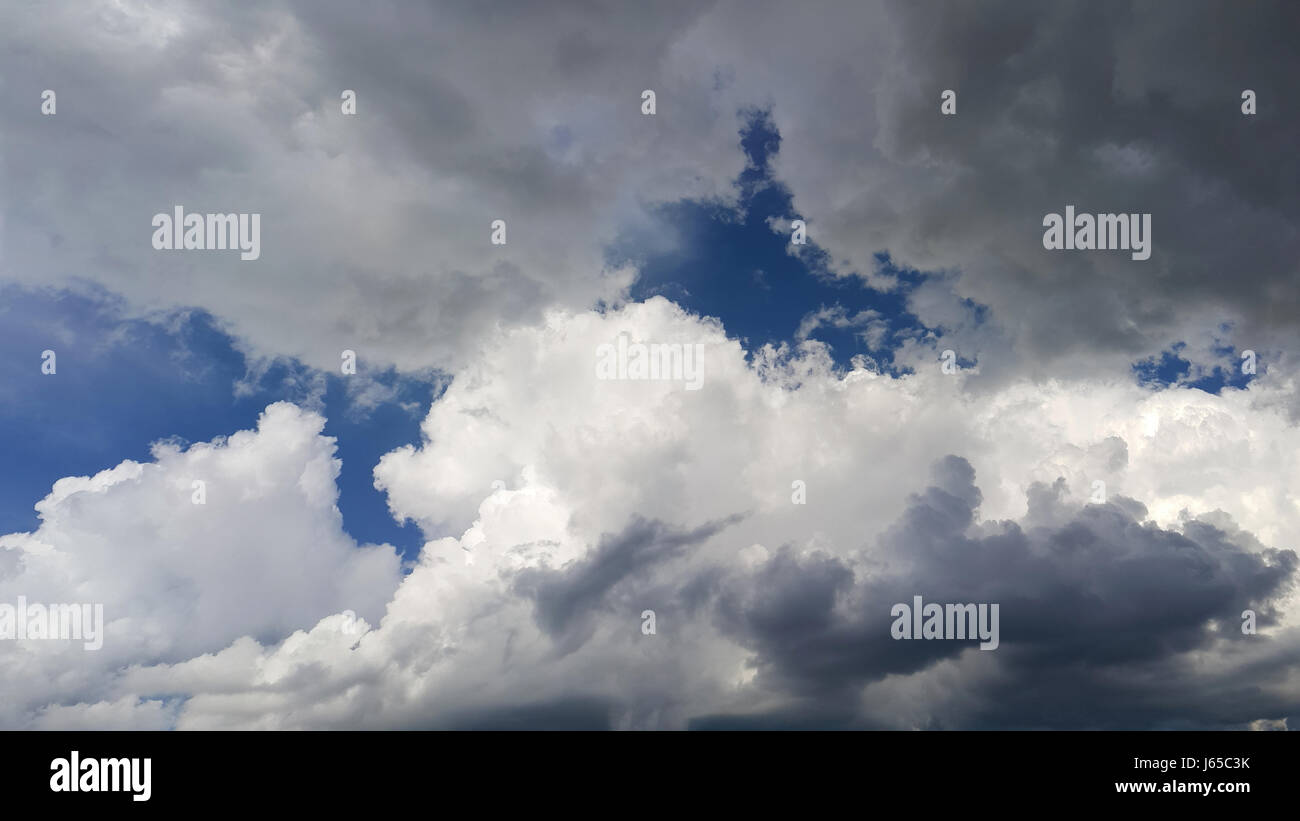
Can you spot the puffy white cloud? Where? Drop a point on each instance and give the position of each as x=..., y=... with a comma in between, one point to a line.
x=618, y=448
x=263, y=554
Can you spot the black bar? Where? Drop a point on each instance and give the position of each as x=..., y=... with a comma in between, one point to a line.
x=495, y=771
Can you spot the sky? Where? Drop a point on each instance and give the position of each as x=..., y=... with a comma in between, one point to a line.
x=473, y=528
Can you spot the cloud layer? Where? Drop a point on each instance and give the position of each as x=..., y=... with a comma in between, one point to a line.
x=376, y=225
x=772, y=518
x=573, y=504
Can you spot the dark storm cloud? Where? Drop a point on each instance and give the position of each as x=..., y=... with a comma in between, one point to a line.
x=1110, y=107
x=811, y=716
x=568, y=598
x=562, y=714
x=1098, y=613
x=1241, y=686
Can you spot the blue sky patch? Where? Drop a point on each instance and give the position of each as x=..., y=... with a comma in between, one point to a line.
x=732, y=265
x=123, y=383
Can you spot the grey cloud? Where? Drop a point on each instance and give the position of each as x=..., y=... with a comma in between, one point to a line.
x=1098, y=613
x=1130, y=107
x=575, y=713
x=375, y=227
x=567, y=599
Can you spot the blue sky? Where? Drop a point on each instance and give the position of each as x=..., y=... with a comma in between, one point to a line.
x=1170, y=368
x=736, y=268
x=123, y=383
